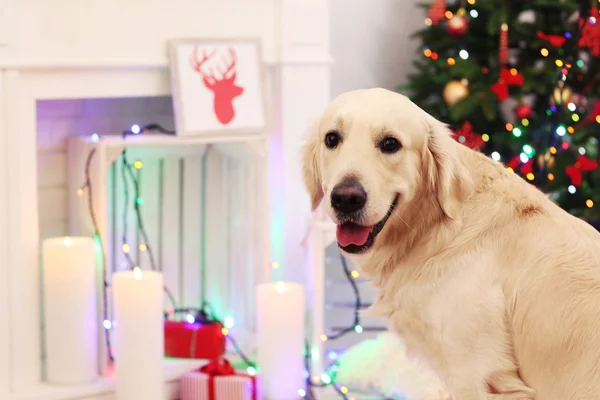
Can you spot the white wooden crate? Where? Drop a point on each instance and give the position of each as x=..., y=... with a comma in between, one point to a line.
x=171, y=187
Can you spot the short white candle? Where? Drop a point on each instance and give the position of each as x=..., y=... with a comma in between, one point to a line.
x=70, y=313
x=280, y=317
x=138, y=302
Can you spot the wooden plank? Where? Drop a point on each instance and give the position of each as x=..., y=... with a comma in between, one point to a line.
x=191, y=254
x=150, y=193
x=217, y=234
x=169, y=255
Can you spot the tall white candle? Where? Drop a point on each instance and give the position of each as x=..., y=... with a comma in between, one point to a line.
x=70, y=313
x=138, y=302
x=280, y=317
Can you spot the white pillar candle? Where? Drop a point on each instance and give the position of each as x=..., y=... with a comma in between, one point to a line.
x=280, y=316
x=70, y=312
x=138, y=302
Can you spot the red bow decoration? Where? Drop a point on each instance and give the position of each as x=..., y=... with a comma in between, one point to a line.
x=590, y=35
x=554, y=40
x=471, y=139
x=218, y=367
x=526, y=168
x=575, y=171
x=436, y=11
x=506, y=79
x=221, y=367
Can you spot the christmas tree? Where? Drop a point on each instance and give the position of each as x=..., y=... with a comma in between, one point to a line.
x=518, y=81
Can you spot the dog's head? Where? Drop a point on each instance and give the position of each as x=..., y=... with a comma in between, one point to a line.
x=373, y=156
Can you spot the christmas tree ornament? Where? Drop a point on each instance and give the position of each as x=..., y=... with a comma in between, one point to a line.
x=561, y=95
x=590, y=35
x=553, y=40
x=503, y=54
x=575, y=171
x=466, y=136
x=507, y=110
x=455, y=91
x=458, y=25
x=546, y=160
x=526, y=17
x=436, y=11
x=523, y=111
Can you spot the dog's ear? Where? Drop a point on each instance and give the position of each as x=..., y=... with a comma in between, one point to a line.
x=311, y=169
x=447, y=176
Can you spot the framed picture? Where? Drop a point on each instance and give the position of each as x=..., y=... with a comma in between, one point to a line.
x=217, y=86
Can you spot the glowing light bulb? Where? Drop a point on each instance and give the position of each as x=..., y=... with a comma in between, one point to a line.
x=68, y=242
x=448, y=14
x=80, y=192
x=530, y=176
x=428, y=21
x=463, y=54
x=571, y=130
x=523, y=157
x=589, y=203
x=581, y=150
x=225, y=331
x=323, y=337
x=126, y=248
x=571, y=189
x=143, y=247
x=474, y=14
x=561, y=131
x=251, y=371
x=496, y=156
x=280, y=287
x=575, y=117
x=135, y=129
x=275, y=265
x=315, y=379
x=517, y=132
x=107, y=324
x=559, y=63
x=229, y=322
x=355, y=274
x=525, y=122
x=301, y=393
x=139, y=201
x=550, y=177
x=358, y=328
x=344, y=390
x=471, y=2
x=326, y=379
x=485, y=137
x=580, y=63
x=332, y=355
x=571, y=106
x=137, y=273
x=553, y=150
x=190, y=318
x=451, y=61
x=138, y=164
x=427, y=53
x=95, y=137
x=528, y=149
x=544, y=52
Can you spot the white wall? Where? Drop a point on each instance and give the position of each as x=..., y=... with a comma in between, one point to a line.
x=370, y=42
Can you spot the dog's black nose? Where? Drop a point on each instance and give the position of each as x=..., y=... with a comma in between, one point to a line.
x=348, y=196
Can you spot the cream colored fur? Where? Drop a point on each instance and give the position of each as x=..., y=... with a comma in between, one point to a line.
x=482, y=275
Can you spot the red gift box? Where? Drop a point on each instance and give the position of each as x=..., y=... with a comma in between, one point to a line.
x=219, y=381
x=198, y=340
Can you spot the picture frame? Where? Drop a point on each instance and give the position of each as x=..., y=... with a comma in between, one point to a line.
x=218, y=87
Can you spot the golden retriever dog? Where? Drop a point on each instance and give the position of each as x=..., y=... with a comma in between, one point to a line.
x=479, y=272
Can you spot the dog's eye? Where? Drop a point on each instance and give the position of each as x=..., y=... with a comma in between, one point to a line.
x=389, y=145
x=332, y=139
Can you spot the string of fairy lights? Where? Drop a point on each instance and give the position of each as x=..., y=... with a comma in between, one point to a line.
x=131, y=176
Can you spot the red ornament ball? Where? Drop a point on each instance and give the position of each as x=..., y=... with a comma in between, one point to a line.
x=457, y=25
x=523, y=111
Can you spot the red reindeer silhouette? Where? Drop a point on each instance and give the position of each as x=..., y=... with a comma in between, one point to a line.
x=223, y=87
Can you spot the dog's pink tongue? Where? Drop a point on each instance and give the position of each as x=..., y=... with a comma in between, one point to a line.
x=348, y=234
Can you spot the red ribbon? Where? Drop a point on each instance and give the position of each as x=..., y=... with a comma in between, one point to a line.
x=554, y=40
x=221, y=367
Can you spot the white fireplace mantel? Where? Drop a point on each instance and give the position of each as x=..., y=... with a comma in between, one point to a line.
x=112, y=48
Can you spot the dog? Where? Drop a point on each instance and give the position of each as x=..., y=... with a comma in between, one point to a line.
x=481, y=274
